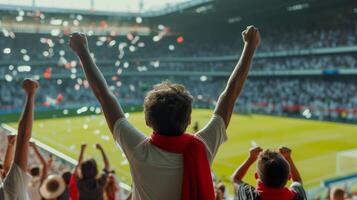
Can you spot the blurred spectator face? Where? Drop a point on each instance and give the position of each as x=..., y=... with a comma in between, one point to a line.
x=89, y=169
x=272, y=169
x=168, y=109
x=337, y=194
x=35, y=171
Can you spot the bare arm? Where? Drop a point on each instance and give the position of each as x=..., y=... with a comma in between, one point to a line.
x=80, y=158
x=129, y=196
x=104, y=155
x=242, y=170
x=42, y=161
x=49, y=162
x=295, y=175
x=9, y=154
x=25, y=125
x=227, y=99
x=111, y=108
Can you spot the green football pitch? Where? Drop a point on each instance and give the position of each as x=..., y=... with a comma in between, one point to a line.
x=314, y=143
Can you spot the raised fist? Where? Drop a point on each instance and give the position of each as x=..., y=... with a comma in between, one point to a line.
x=285, y=152
x=251, y=36
x=83, y=146
x=254, y=152
x=98, y=146
x=78, y=42
x=11, y=139
x=30, y=86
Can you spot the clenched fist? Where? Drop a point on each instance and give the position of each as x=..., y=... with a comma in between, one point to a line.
x=30, y=86
x=285, y=152
x=11, y=139
x=98, y=146
x=251, y=36
x=83, y=146
x=254, y=153
x=78, y=42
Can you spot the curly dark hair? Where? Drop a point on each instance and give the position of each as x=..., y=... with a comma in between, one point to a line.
x=168, y=108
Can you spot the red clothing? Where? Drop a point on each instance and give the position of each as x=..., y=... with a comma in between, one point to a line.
x=267, y=193
x=73, y=190
x=197, y=182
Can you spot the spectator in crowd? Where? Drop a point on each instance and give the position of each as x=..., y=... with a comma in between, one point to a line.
x=337, y=194
x=86, y=172
x=66, y=176
x=14, y=186
x=273, y=171
x=157, y=171
x=220, y=191
x=9, y=155
x=52, y=187
x=111, y=188
x=38, y=176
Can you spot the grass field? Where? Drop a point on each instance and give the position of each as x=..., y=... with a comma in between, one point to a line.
x=314, y=143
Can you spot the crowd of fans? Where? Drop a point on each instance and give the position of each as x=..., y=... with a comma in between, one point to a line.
x=324, y=99
x=53, y=178
x=339, y=32
x=63, y=83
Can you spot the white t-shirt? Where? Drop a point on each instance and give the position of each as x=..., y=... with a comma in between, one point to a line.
x=157, y=174
x=14, y=186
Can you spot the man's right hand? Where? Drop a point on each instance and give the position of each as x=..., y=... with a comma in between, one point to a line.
x=78, y=42
x=30, y=86
x=251, y=36
x=254, y=153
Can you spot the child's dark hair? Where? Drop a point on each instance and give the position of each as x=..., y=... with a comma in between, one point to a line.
x=273, y=169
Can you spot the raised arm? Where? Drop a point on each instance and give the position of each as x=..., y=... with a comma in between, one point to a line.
x=104, y=155
x=42, y=161
x=80, y=158
x=295, y=175
x=49, y=162
x=111, y=107
x=227, y=99
x=25, y=125
x=240, y=172
x=9, y=154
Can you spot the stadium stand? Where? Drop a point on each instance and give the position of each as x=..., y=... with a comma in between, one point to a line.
x=305, y=67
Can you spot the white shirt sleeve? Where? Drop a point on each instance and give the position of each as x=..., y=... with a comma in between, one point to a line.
x=15, y=183
x=127, y=136
x=213, y=135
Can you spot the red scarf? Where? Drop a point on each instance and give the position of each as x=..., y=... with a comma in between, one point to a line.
x=267, y=193
x=197, y=182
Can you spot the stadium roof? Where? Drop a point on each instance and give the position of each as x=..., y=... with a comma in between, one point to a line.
x=110, y=7
x=220, y=16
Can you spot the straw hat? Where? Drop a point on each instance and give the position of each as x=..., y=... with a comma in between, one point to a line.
x=52, y=187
